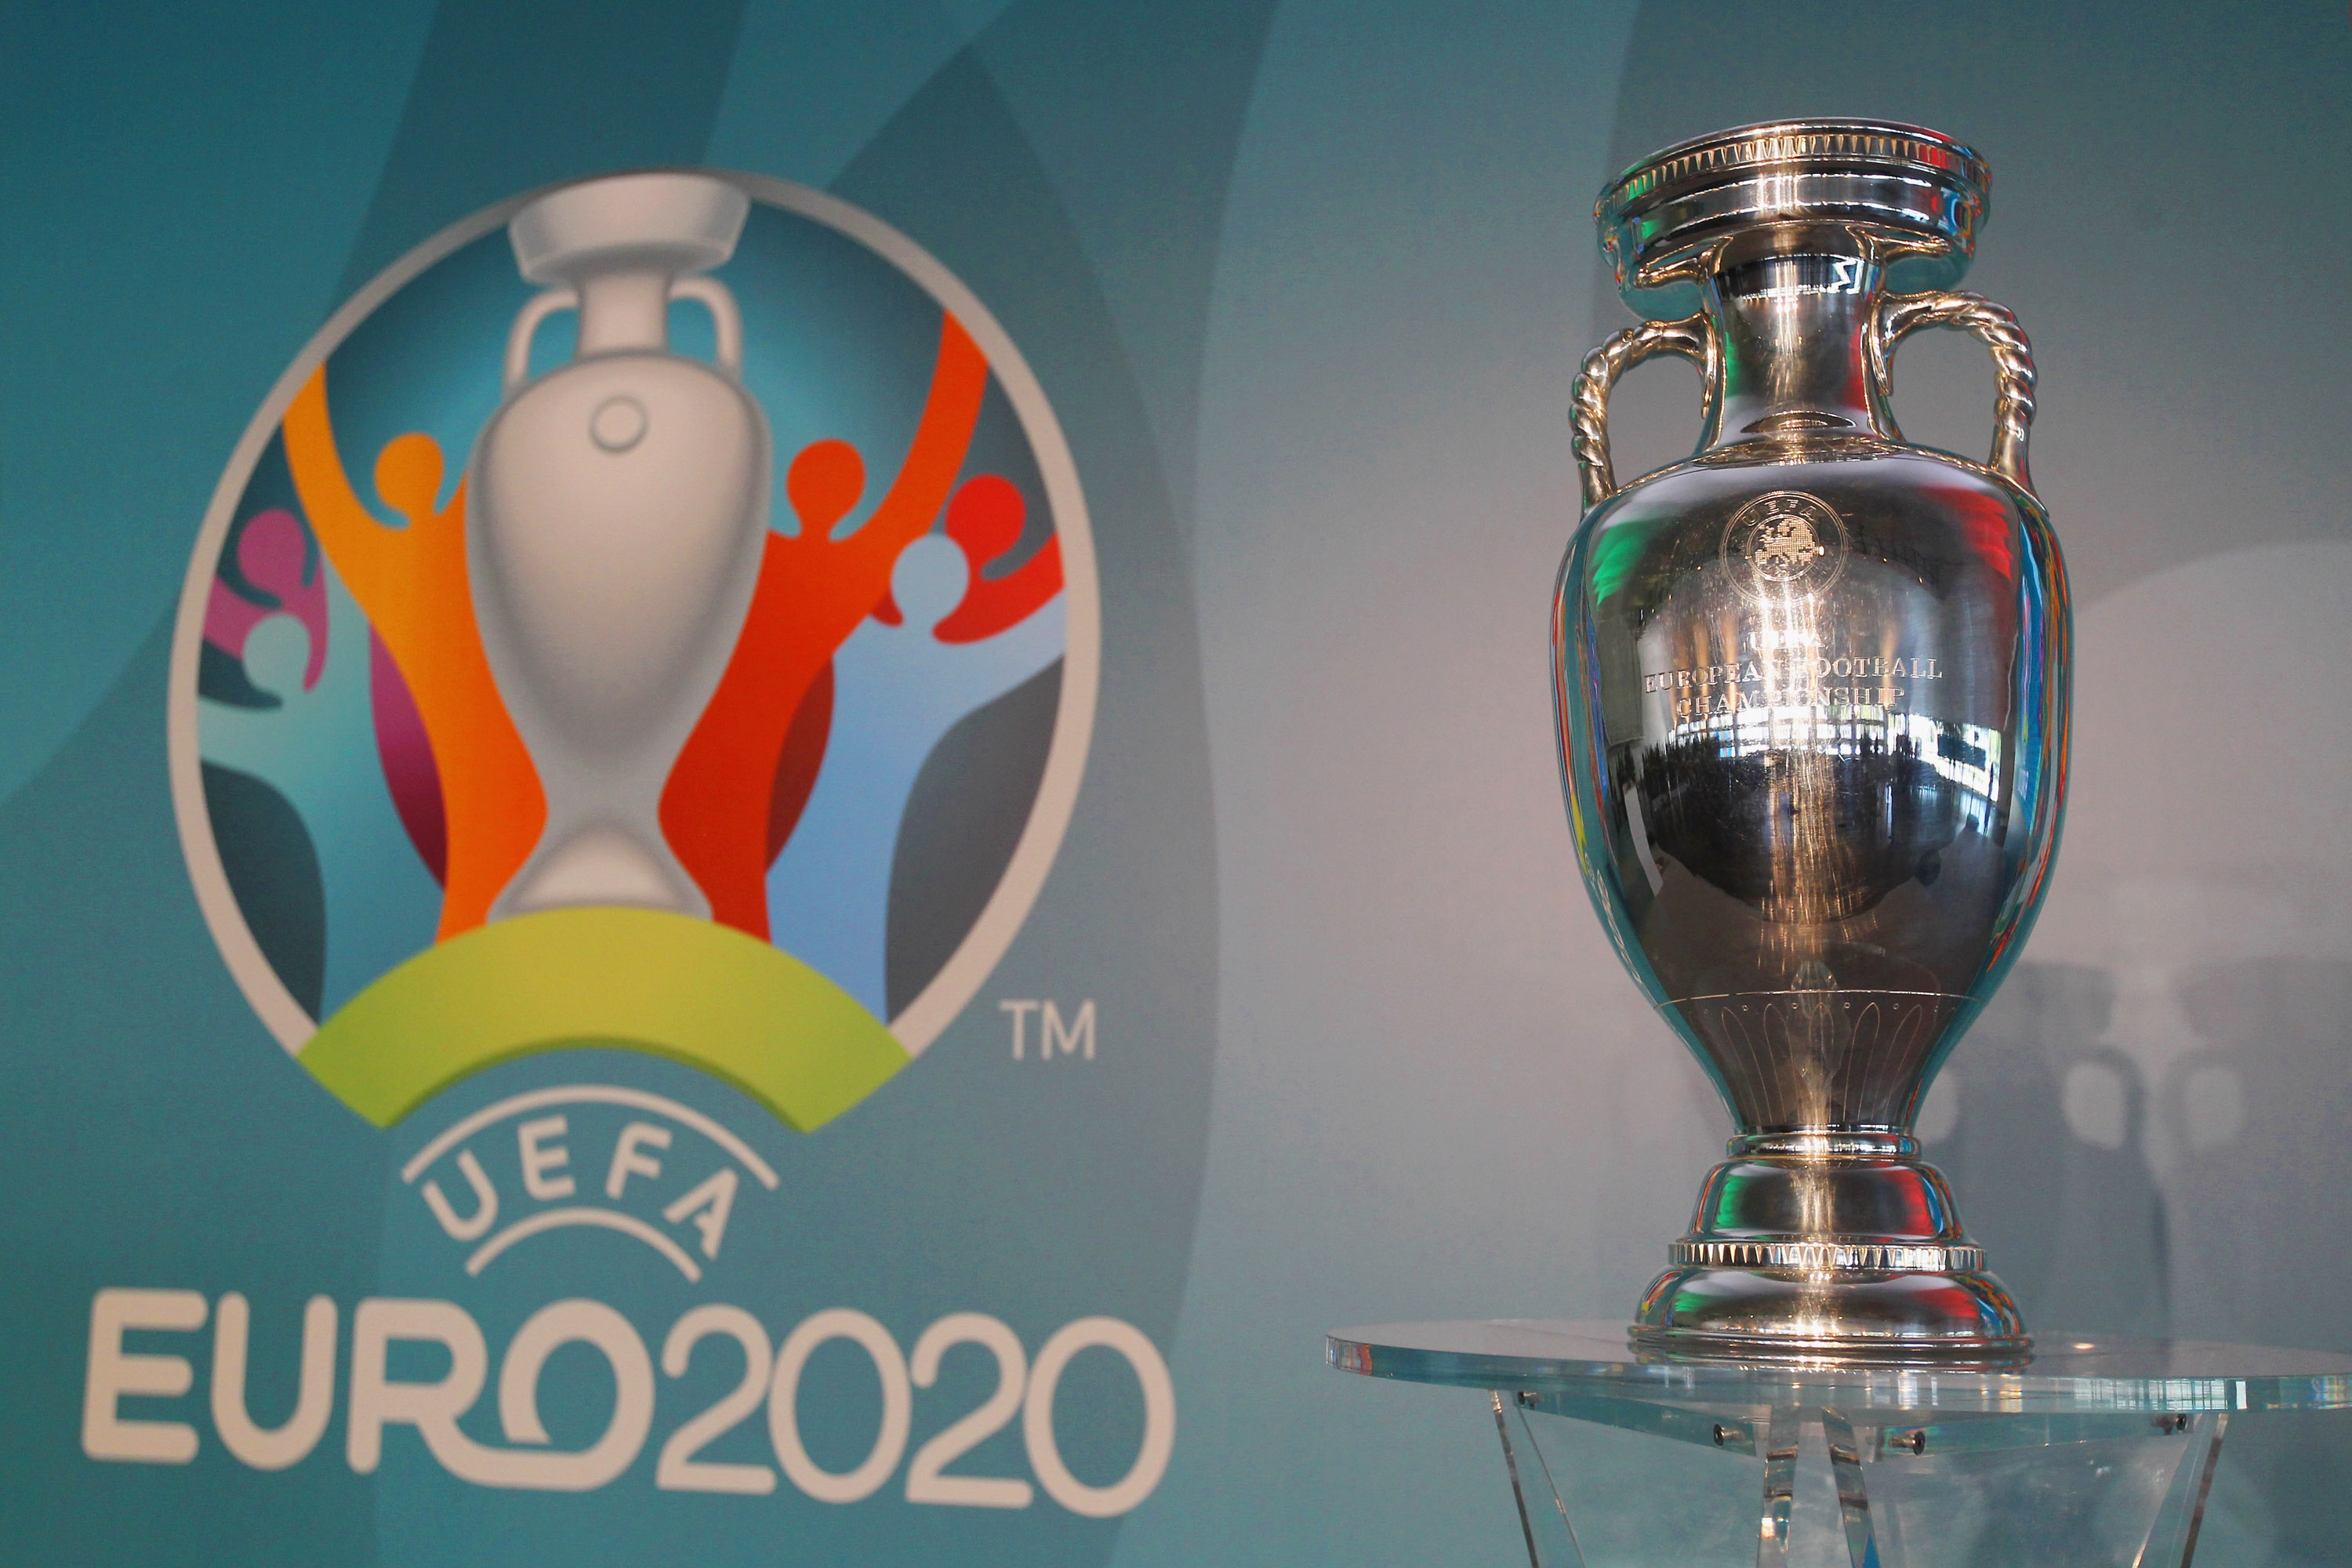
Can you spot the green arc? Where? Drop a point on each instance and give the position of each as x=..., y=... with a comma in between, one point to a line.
x=666, y=983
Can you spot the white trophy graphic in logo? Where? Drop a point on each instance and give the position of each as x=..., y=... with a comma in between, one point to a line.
x=619, y=507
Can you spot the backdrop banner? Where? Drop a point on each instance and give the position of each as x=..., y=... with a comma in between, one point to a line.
x=778, y=778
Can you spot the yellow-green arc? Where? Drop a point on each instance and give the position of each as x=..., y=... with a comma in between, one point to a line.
x=645, y=980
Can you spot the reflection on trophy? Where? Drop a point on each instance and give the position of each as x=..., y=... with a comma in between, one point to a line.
x=619, y=511
x=1812, y=688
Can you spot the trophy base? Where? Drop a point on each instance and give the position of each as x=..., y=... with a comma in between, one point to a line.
x=1877, y=1317
x=1838, y=1249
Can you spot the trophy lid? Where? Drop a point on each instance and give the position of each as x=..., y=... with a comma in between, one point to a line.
x=1894, y=180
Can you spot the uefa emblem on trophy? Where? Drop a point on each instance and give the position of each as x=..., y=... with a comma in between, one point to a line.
x=1813, y=707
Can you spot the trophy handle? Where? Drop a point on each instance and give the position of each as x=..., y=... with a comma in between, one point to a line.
x=1900, y=315
x=1690, y=337
x=726, y=321
x=543, y=305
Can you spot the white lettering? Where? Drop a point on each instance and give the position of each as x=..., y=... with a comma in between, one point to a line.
x=432, y=1408
x=679, y=1470
x=435, y=1391
x=114, y=1372
x=1080, y=1033
x=927, y=1480
x=538, y=1158
x=1020, y=1010
x=486, y=1202
x=784, y=1406
x=1158, y=1417
x=626, y=1158
x=563, y=1323
x=272, y=1448
x=716, y=1199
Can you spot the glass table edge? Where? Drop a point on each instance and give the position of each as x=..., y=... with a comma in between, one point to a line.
x=1912, y=1387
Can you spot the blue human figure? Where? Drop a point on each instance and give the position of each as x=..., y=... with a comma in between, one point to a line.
x=897, y=691
x=318, y=749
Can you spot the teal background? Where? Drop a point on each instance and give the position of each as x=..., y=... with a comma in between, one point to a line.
x=1306, y=283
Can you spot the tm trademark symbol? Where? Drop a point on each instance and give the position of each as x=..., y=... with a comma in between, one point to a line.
x=1074, y=1038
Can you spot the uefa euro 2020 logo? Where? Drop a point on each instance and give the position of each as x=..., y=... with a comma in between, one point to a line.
x=657, y=612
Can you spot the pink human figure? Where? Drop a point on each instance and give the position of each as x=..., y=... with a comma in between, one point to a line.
x=317, y=747
x=276, y=557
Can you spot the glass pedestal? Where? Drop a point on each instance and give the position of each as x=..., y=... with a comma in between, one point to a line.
x=2094, y=1454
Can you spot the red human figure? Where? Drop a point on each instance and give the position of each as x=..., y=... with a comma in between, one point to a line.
x=814, y=590
x=986, y=519
x=796, y=768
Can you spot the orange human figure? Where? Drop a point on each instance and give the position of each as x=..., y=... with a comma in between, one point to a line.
x=411, y=583
x=814, y=590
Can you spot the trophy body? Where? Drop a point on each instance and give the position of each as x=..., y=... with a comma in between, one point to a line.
x=1812, y=689
x=620, y=507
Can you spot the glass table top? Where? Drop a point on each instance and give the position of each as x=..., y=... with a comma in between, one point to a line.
x=1553, y=1360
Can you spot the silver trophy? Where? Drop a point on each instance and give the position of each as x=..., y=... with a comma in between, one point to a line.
x=1812, y=705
